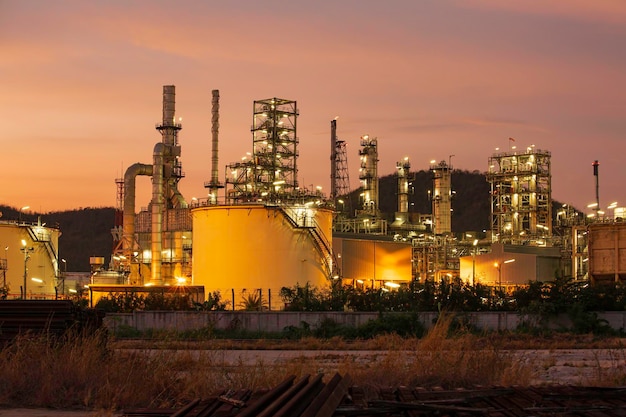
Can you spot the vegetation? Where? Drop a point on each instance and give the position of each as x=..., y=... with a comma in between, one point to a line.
x=548, y=298
x=129, y=301
x=94, y=372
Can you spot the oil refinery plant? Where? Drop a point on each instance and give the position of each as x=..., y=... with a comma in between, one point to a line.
x=259, y=230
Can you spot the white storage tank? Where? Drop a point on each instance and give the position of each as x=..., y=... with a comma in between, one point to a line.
x=254, y=249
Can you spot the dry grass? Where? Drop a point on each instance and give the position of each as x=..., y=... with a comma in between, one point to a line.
x=86, y=372
x=444, y=360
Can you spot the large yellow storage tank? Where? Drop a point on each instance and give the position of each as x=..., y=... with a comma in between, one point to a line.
x=29, y=257
x=249, y=250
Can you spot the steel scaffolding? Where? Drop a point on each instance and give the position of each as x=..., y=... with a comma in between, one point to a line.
x=521, y=202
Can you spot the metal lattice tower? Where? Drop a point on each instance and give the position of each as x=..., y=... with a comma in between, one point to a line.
x=339, y=177
x=274, y=146
x=342, y=178
x=521, y=197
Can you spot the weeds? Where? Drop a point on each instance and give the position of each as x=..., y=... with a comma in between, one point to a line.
x=98, y=373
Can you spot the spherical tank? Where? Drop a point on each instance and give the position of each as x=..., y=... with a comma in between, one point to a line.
x=251, y=251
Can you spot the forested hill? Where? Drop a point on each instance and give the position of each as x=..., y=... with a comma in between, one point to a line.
x=470, y=198
x=86, y=232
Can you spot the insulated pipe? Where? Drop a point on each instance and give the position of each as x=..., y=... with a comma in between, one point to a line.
x=157, y=212
x=128, y=229
x=176, y=198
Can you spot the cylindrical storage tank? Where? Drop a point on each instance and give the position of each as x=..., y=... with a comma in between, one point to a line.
x=244, y=251
x=29, y=258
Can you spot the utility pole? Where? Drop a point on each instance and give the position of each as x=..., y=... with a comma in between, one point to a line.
x=27, y=252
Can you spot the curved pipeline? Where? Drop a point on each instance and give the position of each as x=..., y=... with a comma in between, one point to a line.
x=128, y=230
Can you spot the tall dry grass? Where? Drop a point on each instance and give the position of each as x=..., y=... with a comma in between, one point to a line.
x=445, y=359
x=91, y=372
x=86, y=372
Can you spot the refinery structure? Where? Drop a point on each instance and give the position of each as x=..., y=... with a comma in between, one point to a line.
x=259, y=230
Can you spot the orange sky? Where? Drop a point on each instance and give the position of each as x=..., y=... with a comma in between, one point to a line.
x=82, y=85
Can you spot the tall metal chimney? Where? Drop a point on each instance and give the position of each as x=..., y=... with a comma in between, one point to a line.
x=333, y=159
x=214, y=184
x=596, y=166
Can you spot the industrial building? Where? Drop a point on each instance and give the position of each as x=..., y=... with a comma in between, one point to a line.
x=258, y=230
x=154, y=245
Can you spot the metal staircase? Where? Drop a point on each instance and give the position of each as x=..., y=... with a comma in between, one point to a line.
x=321, y=242
x=41, y=235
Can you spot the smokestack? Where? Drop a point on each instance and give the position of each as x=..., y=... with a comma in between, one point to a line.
x=596, y=165
x=169, y=105
x=333, y=159
x=214, y=183
x=215, y=126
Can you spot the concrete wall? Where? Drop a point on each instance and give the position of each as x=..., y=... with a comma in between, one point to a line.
x=278, y=321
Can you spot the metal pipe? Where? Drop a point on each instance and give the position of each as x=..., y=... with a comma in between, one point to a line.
x=128, y=229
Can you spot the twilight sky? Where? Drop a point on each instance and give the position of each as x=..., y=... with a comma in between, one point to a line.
x=82, y=87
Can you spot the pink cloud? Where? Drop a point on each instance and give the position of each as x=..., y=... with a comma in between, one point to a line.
x=603, y=11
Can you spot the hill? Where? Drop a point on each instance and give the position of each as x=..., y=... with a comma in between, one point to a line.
x=470, y=200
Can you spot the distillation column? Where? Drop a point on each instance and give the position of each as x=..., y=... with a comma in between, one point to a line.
x=402, y=215
x=441, y=198
x=368, y=175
